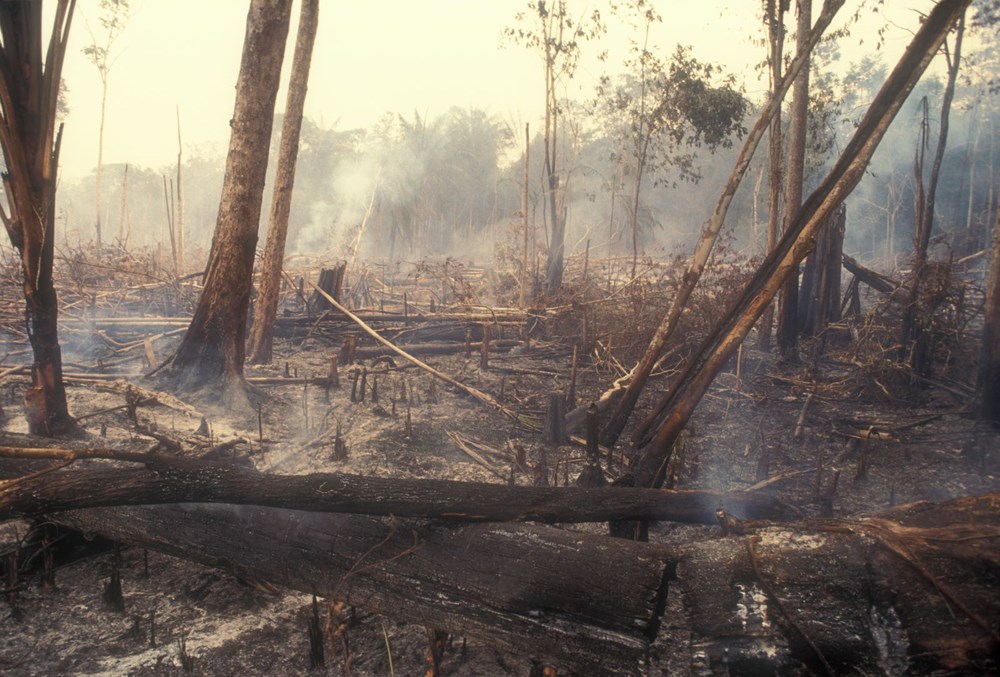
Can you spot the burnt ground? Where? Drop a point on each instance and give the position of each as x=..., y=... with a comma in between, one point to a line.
x=837, y=432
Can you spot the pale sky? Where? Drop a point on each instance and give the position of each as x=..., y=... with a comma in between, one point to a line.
x=370, y=57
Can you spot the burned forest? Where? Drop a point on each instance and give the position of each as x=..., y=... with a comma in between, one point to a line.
x=693, y=368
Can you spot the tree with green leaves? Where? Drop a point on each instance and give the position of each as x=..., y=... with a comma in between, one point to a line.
x=113, y=17
x=663, y=112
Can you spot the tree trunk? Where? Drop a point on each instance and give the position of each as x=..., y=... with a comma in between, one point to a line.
x=989, y=356
x=788, y=325
x=819, y=295
x=266, y=308
x=212, y=351
x=664, y=424
x=28, y=92
x=775, y=10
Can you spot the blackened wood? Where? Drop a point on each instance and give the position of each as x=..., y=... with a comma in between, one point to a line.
x=574, y=597
x=176, y=480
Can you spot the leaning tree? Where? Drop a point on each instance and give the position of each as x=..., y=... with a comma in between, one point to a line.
x=212, y=352
x=29, y=92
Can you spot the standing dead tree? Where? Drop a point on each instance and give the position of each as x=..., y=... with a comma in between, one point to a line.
x=788, y=324
x=212, y=351
x=914, y=339
x=262, y=331
x=29, y=90
x=655, y=437
x=774, y=15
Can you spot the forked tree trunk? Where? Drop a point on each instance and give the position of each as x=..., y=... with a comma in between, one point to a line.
x=212, y=352
x=665, y=423
x=266, y=309
x=28, y=91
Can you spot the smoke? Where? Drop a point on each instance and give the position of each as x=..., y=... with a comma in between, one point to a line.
x=334, y=220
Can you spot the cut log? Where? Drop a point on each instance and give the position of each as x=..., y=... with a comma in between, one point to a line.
x=577, y=598
x=912, y=591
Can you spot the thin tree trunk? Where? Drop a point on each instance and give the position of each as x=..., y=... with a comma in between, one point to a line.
x=124, y=232
x=212, y=351
x=525, y=268
x=788, y=325
x=776, y=39
x=180, y=201
x=99, y=171
x=266, y=310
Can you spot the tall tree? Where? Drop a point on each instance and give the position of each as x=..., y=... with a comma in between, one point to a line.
x=29, y=91
x=556, y=35
x=114, y=14
x=774, y=15
x=262, y=330
x=212, y=351
x=788, y=325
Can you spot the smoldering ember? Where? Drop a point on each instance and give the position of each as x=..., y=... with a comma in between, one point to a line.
x=681, y=378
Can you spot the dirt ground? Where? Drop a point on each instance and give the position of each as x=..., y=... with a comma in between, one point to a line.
x=831, y=433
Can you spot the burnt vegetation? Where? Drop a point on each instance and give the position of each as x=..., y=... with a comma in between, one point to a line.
x=625, y=396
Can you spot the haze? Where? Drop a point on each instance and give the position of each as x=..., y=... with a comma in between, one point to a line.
x=370, y=58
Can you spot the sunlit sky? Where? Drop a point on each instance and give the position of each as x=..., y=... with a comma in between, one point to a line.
x=370, y=57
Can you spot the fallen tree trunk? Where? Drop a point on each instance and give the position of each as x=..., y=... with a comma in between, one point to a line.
x=559, y=595
x=876, y=281
x=176, y=480
x=910, y=591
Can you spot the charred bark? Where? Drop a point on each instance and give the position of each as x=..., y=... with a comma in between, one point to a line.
x=543, y=591
x=176, y=480
x=819, y=295
x=212, y=351
x=913, y=589
x=788, y=324
x=28, y=94
x=266, y=309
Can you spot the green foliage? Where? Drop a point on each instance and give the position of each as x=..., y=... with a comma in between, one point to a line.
x=666, y=112
x=113, y=16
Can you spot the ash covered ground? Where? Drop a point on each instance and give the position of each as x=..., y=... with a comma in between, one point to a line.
x=833, y=432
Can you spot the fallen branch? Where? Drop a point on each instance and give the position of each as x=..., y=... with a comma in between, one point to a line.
x=468, y=390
